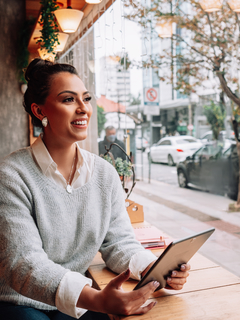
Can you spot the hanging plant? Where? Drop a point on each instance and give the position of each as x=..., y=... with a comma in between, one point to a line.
x=48, y=22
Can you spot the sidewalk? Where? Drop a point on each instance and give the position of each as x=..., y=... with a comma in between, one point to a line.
x=181, y=212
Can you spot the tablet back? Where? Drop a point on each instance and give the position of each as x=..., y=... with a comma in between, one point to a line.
x=177, y=253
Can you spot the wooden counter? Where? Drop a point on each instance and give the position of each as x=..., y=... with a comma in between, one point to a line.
x=211, y=292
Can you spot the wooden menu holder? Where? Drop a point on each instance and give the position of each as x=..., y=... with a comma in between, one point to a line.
x=135, y=211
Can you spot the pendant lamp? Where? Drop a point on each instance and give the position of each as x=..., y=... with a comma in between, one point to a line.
x=68, y=19
x=93, y=1
x=211, y=5
x=62, y=39
x=234, y=5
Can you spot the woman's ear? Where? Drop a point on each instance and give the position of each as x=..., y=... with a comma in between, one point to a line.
x=37, y=111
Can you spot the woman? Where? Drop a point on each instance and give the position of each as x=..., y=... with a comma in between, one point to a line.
x=59, y=206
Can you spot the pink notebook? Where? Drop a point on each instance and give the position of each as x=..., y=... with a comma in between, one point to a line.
x=151, y=237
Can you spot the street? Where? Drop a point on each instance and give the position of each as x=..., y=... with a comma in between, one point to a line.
x=159, y=172
x=183, y=211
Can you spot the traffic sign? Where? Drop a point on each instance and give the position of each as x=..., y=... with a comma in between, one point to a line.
x=151, y=96
x=190, y=127
x=151, y=110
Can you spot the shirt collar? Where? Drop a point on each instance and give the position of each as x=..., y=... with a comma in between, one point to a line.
x=42, y=155
x=45, y=160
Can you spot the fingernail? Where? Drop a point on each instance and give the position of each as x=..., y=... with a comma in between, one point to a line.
x=174, y=273
x=156, y=284
x=183, y=267
x=126, y=272
x=169, y=279
x=154, y=303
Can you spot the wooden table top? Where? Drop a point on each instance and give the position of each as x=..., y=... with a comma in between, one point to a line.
x=211, y=292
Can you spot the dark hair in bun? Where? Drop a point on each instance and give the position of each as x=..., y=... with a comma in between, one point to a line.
x=39, y=74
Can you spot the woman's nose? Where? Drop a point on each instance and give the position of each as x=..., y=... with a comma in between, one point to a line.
x=82, y=108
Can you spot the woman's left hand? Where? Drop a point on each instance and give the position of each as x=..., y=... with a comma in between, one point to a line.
x=178, y=278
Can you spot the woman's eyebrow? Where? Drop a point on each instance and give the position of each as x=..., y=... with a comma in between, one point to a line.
x=67, y=91
x=85, y=93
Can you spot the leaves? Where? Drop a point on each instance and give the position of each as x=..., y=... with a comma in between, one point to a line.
x=101, y=118
x=215, y=116
x=203, y=43
x=49, y=37
x=123, y=167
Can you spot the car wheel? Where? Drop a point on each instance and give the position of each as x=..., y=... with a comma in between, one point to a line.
x=170, y=160
x=150, y=158
x=182, y=179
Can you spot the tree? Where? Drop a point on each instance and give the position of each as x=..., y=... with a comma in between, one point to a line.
x=135, y=100
x=215, y=116
x=101, y=118
x=204, y=47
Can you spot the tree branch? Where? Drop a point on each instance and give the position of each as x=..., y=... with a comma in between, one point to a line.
x=231, y=95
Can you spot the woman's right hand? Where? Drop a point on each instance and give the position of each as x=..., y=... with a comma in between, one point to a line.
x=113, y=300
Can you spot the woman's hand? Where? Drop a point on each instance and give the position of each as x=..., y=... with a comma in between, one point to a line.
x=113, y=300
x=178, y=278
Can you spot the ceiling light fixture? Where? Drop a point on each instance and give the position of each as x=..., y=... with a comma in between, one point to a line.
x=68, y=19
x=93, y=1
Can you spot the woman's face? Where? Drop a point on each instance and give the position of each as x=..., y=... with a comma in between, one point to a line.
x=67, y=108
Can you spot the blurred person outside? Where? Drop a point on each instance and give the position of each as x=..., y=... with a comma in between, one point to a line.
x=110, y=138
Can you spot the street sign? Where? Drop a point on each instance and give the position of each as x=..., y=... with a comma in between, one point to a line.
x=151, y=110
x=190, y=127
x=151, y=96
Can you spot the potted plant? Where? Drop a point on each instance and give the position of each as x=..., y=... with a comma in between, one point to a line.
x=124, y=168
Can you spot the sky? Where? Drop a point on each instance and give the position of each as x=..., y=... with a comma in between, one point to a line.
x=115, y=35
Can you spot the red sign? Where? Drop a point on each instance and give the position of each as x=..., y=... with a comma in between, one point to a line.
x=151, y=94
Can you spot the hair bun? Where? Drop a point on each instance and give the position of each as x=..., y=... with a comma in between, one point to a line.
x=34, y=66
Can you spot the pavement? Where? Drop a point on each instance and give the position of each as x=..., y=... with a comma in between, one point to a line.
x=181, y=212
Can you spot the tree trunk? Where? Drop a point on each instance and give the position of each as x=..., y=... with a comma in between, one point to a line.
x=237, y=205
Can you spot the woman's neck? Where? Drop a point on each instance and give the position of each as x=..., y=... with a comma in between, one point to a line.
x=63, y=155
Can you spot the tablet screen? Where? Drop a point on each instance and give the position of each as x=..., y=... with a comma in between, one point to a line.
x=178, y=252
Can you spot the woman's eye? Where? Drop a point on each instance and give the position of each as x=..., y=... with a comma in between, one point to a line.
x=87, y=99
x=68, y=99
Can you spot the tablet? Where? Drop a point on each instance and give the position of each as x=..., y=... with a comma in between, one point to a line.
x=177, y=253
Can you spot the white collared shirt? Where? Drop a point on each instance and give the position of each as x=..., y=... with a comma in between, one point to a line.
x=72, y=283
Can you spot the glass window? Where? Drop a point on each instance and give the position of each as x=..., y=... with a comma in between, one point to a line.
x=185, y=140
x=164, y=143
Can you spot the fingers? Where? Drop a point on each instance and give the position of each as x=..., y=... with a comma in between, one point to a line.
x=118, y=281
x=185, y=267
x=145, y=309
x=178, y=278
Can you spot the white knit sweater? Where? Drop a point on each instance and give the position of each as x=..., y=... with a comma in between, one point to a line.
x=44, y=231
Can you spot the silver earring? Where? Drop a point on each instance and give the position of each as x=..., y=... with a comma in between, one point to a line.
x=45, y=121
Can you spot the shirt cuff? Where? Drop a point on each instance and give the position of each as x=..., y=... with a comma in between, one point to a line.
x=139, y=262
x=68, y=293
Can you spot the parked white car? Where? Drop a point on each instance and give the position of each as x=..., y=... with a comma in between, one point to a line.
x=208, y=137
x=171, y=149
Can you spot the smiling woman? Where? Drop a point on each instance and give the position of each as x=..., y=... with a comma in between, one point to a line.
x=59, y=206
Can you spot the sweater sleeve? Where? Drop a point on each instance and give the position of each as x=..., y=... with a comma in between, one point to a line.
x=24, y=265
x=119, y=244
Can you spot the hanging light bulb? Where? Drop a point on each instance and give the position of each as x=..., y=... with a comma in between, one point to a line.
x=211, y=5
x=45, y=55
x=164, y=28
x=62, y=39
x=234, y=5
x=68, y=19
x=93, y=1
